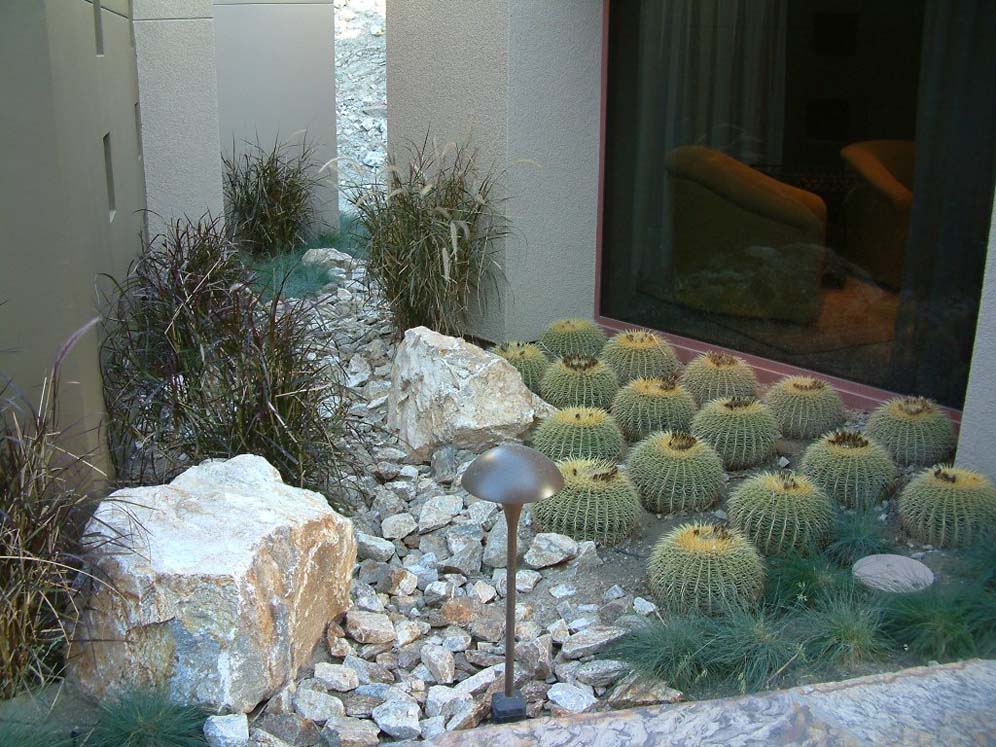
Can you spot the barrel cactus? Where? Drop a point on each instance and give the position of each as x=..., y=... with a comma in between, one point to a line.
x=579, y=433
x=527, y=359
x=639, y=353
x=645, y=406
x=714, y=375
x=805, y=407
x=851, y=468
x=579, y=381
x=597, y=502
x=741, y=429
x=949, y=507
x=781, y=511
x=913, y=429
x=674, y=471
x=573, y=337
x=705, y=567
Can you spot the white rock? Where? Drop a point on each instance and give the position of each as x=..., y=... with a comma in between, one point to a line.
x=438, y=592
x=526, y=580
x=433, y=727
x=398, y=526
x=601, y=672
x=644, y=606
x=343, y=731
x=892, y=573
x=408, y=631
x=439, y=661
x=336, y=677
x=358, y=371
x=227, y=731
x=549, y=549
x=613, y=592
x=227, y=585
x=369, y=627
x=562, y=591
x=438, y=512
x=317, y=706
x=456, y=639
x=399, y=718
x=590, y=641
x=445, y=391
x=485, y=591
x=328, y=258
x=570, y=698
x=374, y=548
x=559, y=631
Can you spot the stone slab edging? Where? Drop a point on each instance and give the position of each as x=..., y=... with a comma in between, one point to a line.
x=949, y=704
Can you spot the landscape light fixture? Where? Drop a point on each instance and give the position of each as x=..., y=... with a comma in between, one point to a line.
x=511, y=475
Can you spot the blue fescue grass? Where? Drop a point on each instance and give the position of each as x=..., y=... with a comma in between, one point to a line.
x=846, y=627
x=799, y=581
x=857, y=534
x=141, y=718
x=20, y=734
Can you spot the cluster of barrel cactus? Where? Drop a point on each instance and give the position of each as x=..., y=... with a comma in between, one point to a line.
x=646, y=405
x=674, y=471
x=579, y=381
x=913, y=429
x=714, y=375
x=527, y=359
x=573, y=337
x=597, y=502
x=949, y=507
x=805, y=407
x=639, y=353
x=852, y=469
x=579, y=433
x=705, y=567
x=781, y=511
x=742, y=430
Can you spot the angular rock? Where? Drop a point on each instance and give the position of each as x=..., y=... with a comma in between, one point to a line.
x=398, y=582
x=438, y=512
x=399, y=718
x=566, y=698
x=227, y=731
x=327, y=258
x=536, y=656
x=369, y=627
x=448, y=392
x=398, y=526
x=344, y=731
x=634, y=691
x=228, y=583
x=317, y=706
x=368, y=672
x=439, y=662
x=375, y=548
x=433, y=727
x=337, y=677
x=601, y=672
x=438, y=592
x=408, y=631
x=644, y=606
x=290, y=727
x=455, y=639
x=548, y=549
x=591, y=640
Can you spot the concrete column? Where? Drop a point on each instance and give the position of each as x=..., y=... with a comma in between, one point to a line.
x=977, y=440
x=276, y=80
x=178, y=97
x=522, y=81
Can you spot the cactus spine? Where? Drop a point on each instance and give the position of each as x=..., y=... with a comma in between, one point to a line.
x=854, y=470
x=949, y=507
x=781, y=511
x=573, y=337
x=645, y=406
x=579, y=381
x=674, y=472
x=638, y=353
x=805, y=407
x=740, y=429
x=597, y=502
x=913, y=429
x=714, y=375
x=579, y=433
x=527, y=359
x=704, y=567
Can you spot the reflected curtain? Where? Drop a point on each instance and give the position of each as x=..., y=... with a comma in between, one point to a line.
x=952, y=200
x=710, y=72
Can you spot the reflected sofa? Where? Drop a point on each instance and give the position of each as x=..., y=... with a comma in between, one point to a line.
x=877, y=208
x=742, y=243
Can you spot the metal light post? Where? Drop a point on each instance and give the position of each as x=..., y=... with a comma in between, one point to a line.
x=511, y=475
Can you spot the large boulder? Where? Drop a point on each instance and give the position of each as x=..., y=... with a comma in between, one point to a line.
x=446, y=391
x=224, y=582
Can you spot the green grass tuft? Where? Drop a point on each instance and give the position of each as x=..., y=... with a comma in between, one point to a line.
x=670, y=650
x=285, y=274
x=857, y=534
x=944, y=623
x=799, y=581
x=147, y=719
x=845, y=628
x=751, y=649
x=18, y=734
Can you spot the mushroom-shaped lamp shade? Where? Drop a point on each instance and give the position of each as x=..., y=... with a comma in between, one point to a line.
x=512, y=474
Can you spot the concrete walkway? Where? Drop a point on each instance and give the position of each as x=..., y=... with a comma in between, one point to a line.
x=947, y=705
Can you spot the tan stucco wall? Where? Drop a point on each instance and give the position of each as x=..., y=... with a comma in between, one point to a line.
x=521, y=79
x=60, y=100
x=276, y=78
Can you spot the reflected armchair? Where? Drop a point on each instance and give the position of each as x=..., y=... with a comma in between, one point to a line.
x=877, y=209
x=743, y=243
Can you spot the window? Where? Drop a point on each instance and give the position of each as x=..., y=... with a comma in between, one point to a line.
x=809, y=181
x=98, y=27
x=109, y=177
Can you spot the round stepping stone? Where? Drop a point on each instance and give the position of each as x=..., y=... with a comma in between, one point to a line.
x=893, y=573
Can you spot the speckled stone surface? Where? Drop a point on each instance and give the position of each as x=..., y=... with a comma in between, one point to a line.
x=950, y=705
